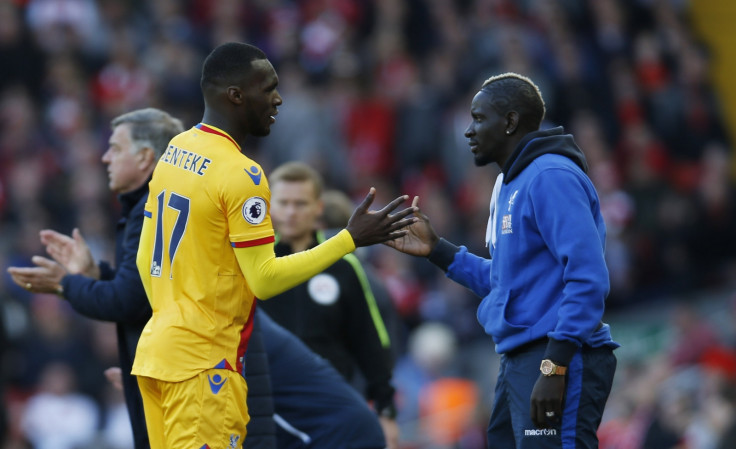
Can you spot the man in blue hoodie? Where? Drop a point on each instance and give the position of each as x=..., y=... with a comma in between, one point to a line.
x=545, y=283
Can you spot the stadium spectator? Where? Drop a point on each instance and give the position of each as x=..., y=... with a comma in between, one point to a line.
x=58, y=416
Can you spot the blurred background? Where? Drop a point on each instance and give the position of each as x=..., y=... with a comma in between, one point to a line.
x=377, y=93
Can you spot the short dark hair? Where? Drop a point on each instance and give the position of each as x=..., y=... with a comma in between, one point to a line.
x=227, y=63
x=151, y=128
x=298, y=172
x=512, y=91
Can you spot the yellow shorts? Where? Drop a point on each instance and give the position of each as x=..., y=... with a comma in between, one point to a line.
x=206, y=411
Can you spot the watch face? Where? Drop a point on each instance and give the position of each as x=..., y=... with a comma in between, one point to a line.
x=546, y=367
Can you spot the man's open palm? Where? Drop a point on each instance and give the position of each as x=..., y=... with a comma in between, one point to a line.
x=420, y=237
x=368, y=227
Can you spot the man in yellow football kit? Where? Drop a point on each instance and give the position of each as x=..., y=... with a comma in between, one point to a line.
x=206, y=254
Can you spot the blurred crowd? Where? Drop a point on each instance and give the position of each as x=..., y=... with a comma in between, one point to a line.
x=682, y=395
x=376, y=93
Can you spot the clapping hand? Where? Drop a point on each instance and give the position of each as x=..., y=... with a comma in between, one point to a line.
x=45, y=277
x=71, y=252
x=71, y=256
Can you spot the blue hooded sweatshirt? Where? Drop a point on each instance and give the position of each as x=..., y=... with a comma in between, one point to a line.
x=546, y=276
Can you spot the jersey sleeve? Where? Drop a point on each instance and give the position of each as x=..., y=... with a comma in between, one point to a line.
x=269, y=275
x=246, y=200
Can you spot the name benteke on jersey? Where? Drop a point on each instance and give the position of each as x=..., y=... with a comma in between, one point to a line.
x=186, y=160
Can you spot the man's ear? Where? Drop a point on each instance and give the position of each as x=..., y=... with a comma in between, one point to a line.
x=146, y=159
x=512, y=122
x=235, y=94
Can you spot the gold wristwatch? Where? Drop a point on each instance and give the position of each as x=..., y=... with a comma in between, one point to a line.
x=548, y=368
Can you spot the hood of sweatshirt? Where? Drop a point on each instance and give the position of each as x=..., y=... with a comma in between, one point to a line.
x=538, y=143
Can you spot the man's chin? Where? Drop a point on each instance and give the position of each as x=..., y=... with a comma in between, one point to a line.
x=262, y=132
x=266, y=131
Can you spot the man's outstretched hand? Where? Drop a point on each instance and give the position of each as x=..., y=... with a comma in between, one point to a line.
x=420, y=237
x=368, y=227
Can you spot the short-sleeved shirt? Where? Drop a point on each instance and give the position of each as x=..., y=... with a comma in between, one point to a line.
x=205, y=198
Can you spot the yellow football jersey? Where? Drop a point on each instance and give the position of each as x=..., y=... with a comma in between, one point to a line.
x=205, y=198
